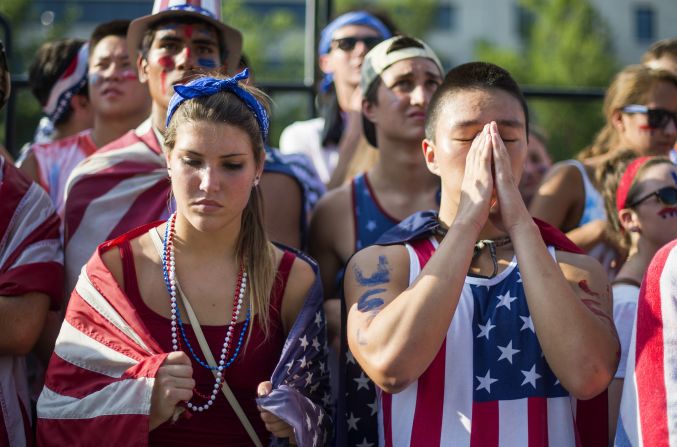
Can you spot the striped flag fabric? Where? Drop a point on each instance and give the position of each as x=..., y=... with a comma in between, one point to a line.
x=489, y=385
x=648, y=412
x=31, y=260
x=100, y=378
x=118, y=188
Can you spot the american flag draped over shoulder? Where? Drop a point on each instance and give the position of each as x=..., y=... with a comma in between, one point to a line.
x=121, y=186
x=31, y=260
x=100, y=378
x=300, y=380
x=648, y=413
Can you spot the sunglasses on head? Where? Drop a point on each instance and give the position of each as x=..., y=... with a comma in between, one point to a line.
x=666, y=195
x=658, y=118
x=348, y=43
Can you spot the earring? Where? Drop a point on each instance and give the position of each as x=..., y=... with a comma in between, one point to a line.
x=256, y=181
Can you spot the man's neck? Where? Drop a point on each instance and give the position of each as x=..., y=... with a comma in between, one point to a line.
x=107, y=129
x=67, y=129
x=401, y=167
x=344, y=93
x=158, y=115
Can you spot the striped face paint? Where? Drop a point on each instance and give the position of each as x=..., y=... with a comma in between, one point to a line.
x=206, y=63
x=167, y=64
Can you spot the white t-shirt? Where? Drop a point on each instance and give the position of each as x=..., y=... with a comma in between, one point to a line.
x=305, y=137
x=625, y=310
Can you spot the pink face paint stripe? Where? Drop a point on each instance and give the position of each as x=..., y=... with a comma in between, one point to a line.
x=188, y=30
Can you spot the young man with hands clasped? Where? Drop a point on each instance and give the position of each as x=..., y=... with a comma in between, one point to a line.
x=480, y=325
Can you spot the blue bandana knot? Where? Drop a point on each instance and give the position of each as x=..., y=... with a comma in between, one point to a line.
x=207, y=86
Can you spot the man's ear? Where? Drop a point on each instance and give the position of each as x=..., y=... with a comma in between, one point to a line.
x=80, y=102
x=324, y=62
x=429, y=154
x=141, y=68
x=368, y=110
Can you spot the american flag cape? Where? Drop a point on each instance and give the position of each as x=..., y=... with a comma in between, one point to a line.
x=590, y=416
x=31, y=260
x=648, y=413
x=120, y=187
x=101, y=375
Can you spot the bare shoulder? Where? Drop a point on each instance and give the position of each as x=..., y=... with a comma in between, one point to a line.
x=277, y=184
x=301, y=279
x=584, y=272
x=560, y=174
x=30, y=166
x=144, y=253
x=331, y=227
x=335, y=203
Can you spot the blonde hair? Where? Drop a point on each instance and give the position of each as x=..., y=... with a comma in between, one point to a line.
x=608, y=176
x=632, y=85
x=253, y=247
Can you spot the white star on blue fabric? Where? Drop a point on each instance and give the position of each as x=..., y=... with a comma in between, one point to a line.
x=318, y=318
x=309, y=378
x=485, y=382
x=304, y=341
x=505, y=300
x=485, y=329
x=362, y=382
x=531, y=376
x=364, y=443
x=371, y=226
x=507, y=352
x=350, y=358
x=528, y=323
x=352, y=422
x=316, y=344
x=374, y=407
x=519, y=279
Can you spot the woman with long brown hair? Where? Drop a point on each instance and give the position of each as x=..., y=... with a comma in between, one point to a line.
x=204, y=301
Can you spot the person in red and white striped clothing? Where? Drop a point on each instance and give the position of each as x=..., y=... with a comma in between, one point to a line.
x=487, y=327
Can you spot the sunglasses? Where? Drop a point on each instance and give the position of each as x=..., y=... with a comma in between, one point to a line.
x=658, y=118
x=666, y=195
x=348, y=43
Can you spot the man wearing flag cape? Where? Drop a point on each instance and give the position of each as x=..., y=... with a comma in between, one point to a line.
x=480, y=326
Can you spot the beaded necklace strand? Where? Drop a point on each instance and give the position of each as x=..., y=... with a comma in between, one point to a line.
x=169, y=274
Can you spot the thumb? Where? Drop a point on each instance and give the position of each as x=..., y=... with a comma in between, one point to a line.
x=177, y=358
x=264, y=388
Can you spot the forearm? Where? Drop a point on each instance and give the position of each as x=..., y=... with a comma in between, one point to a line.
x=21, y=321
x=580, y=347
x=396, y=346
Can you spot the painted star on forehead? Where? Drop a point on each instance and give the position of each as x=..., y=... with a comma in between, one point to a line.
x=507, y=352
x=485, y=329
x=362, y=382
x=531, y=376
x=485, y=382
x=528, y=323
x=352, y=422
x=505, y=300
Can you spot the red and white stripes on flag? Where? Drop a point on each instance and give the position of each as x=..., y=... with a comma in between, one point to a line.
x=100, y=378
x=31, y=260
x=648, y=413
x=120, y=187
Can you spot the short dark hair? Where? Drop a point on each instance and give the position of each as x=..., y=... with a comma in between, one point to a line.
x=659, y=49
x=149, y=35
x=472, y=76
x=371, y=95
x=113, y=28
x=51, y=61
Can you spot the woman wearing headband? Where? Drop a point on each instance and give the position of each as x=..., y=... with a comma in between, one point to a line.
x=640, y=196
x=640, y=107
x=175, y=315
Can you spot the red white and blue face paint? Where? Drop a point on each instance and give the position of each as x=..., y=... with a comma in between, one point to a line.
x=123, y=76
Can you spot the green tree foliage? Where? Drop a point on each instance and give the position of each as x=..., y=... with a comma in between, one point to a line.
x=400, y=11
x=566, y=44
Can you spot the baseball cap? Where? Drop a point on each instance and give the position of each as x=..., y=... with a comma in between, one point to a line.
x=206, y=10
x=383, y=56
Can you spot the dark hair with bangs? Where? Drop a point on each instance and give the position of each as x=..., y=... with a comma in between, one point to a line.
x=472, y=76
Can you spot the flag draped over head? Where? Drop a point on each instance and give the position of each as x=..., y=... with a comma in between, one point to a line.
x=490, y=370
x=31, y=260
x=648, y=413
x=101, y=375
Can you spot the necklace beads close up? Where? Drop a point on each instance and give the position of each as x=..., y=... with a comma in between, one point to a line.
x=226, y=358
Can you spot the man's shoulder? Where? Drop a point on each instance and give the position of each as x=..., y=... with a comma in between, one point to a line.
x=132, y=137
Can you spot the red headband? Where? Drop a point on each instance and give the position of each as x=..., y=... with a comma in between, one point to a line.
x=627, y=179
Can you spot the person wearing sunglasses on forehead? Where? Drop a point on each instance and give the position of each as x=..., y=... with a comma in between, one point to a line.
x=640, y=196
x=639, y=107
x=331, y=140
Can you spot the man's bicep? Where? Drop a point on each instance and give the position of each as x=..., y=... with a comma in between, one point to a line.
x=589, y=281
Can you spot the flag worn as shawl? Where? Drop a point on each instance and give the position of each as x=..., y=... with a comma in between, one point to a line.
x=101, y=375
x=31, y=260
x=648, y=413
